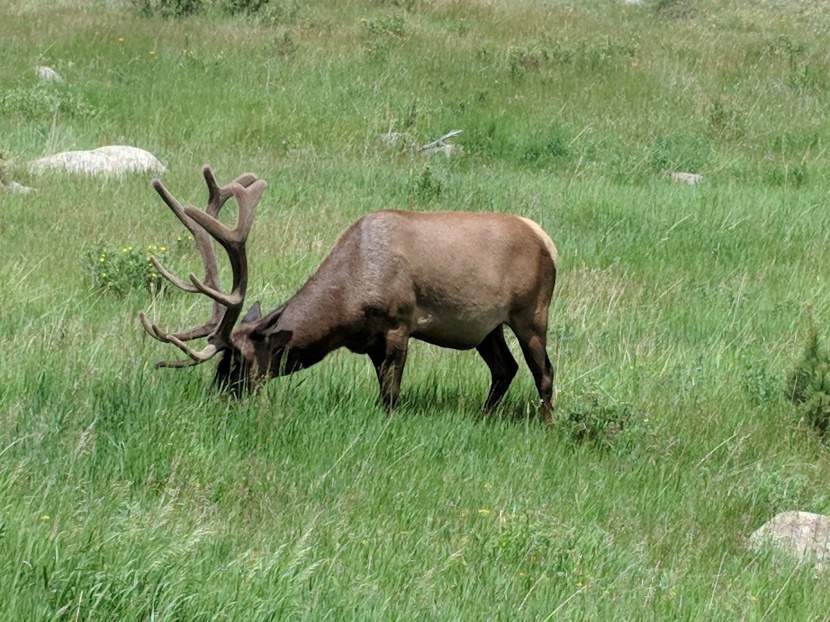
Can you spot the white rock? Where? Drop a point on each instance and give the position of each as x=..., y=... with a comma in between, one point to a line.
x=691, y=179
x=390, y=139
x=804, y=536
x=15, y=187
x=47, y=74
x=111, y=160
x=446, y=150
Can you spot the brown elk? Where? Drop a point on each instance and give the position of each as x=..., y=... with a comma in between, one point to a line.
x=453, y=279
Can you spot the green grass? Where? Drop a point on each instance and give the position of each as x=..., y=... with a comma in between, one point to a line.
x=132, y=494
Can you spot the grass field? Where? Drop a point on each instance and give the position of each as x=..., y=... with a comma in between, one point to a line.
x=133, y=494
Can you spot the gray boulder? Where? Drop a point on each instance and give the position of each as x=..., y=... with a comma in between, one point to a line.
x=111, y=160
x=804, y=536
x=47, y=74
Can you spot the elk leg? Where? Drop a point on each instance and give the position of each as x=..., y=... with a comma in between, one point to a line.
x=532, y=341
x=503, y=366
x=389, y=358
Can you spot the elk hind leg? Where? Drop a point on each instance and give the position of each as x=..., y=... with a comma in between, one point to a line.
x=532, y=338
x=503, y=367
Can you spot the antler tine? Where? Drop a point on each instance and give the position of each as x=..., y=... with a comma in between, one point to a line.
x=217, y=195
x=194, y=357
x=233, y=241
x=204, y=225
x=199, y=234
x=247, y=198
x=188, y=287
x=198, y=332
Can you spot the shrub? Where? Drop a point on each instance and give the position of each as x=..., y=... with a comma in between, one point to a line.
x=4, y=170
x=547, y=151
x=759, y=385
x=427, y=186
x=128, y=269
x=243, y=7
x=169, y=8
x=390, y=26
x=809, y=384
x=595, y=421
x=43, y=101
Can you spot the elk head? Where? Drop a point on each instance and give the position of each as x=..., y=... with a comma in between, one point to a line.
x=234, y=371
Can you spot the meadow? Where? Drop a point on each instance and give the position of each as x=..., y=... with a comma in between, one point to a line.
x=679, y=314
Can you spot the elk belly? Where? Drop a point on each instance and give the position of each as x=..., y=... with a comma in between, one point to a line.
x=450, y=329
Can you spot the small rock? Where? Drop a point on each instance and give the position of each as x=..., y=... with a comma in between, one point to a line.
x=445, y=149
x=17, y=188
x=47, y=74
x=804, y=536
x=110, y=160
x=691, y=179
x=390, y=139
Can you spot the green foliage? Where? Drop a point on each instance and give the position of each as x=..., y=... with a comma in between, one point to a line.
x=547, y=151
x=169, y=8
x=726, y=120
x=244, y=7
x=4, y=169
x=273, y=12
x=596, y=419
x=285, y=46
x=786, y=175
x=127, y=269
x=809, y=384
x=550, y=54
x=688, y=153
x=392, y=25
x=676, y=9
x=267, y=11
x=761, y=387
x=43, y=102
x=428, y=185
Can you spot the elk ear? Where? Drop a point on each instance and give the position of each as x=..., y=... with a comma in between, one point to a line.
x=266, y=325
x=253, y=314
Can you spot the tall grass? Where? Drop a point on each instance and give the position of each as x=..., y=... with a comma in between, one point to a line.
x=132, y=494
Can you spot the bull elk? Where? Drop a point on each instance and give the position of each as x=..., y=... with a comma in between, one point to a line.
x=453, y=279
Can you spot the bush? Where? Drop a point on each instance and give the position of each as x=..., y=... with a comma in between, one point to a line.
x=127, y=269
x=169, y=8
x=44, y=101
x=389, y=26
x=809, y=384
x=427, y=186
x=594, y=421
x=243, y=7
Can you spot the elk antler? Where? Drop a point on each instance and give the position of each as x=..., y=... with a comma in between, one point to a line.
x=247, y=190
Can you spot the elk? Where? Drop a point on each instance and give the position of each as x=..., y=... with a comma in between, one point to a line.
x=453, y=279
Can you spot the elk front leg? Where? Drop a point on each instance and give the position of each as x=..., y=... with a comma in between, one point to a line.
x=503, y=366
x=389, y=358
